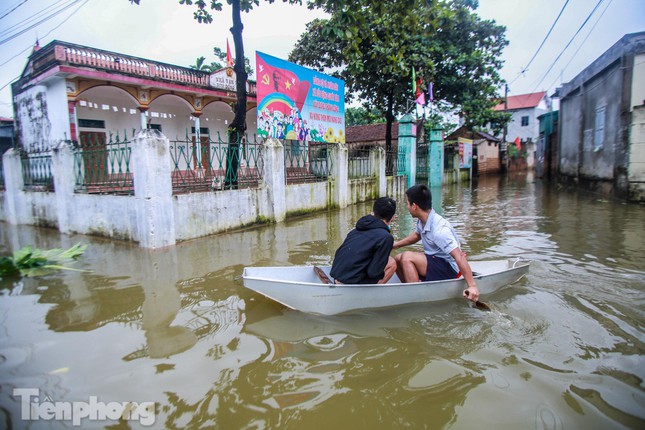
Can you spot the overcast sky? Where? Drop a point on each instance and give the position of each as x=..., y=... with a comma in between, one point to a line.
x=165, y=31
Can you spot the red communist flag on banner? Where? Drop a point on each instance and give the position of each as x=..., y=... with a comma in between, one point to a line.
x=276, y=80
x=229, y=58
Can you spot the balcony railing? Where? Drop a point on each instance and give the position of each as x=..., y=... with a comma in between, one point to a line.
x=71, y=54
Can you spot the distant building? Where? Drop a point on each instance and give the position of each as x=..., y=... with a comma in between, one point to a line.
x=524, y=126
x=485, y=150
x=524, y=110
x=602, y=121
x=546, y=153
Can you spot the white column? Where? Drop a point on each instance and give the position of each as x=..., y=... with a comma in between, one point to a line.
x=198, y=140
x=64, y=183
x=339, y=175
x=274, y=179
x=377, y=163
x=151, y=171
x=15, y=203
x=143, y=118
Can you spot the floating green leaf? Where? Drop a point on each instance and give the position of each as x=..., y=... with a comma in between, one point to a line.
x=28, y=261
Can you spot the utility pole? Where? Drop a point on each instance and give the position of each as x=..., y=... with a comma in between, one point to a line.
x=502, y=146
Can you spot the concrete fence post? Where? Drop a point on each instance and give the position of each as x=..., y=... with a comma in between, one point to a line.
x=152, y=177
x=435, y=160
x=273, y=176
x=64, y=182
x=339, y=175
x=15, y=208
x=408, y=146
x=377, y=162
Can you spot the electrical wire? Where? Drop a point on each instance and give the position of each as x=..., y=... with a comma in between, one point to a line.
x=545, y=37
x=47, y=18
x=24, y=1
x=583, y=42
x=568, y=44
x=46, y=34
x=30, y=18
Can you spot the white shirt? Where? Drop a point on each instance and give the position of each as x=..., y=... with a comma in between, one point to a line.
x=438, y=238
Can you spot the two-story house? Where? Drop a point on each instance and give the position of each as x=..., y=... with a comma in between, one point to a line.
x=524, y=125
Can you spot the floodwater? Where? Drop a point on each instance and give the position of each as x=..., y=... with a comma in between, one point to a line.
x=563, y=347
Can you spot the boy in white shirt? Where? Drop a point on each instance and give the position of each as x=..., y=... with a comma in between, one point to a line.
x=442, y=257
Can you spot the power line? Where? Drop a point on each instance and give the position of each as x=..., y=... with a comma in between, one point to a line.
x=47, y=18
x=24, y=1
x=29, y=18
x=545, y=37
x=583, y=41
x=565, y=48
x=46, y=34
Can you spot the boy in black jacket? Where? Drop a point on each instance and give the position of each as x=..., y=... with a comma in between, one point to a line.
x=364, y=256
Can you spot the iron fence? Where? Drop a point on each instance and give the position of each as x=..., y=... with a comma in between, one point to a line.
x=102, y=166
x=37, y=169
x=394, y=163
x=306, y=161
x=423, y=161
x=359, y=164
x=215, y=165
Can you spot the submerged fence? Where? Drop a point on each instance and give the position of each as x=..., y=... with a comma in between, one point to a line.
x=102, y=164
x=123, y=188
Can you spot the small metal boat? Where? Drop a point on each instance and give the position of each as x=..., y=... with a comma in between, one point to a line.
x=299, y=288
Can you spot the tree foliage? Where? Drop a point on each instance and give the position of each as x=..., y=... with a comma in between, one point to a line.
x=362, y=116
x=219, y=63
x=374, y=46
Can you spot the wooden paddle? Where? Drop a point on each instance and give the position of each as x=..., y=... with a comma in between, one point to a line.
x=479, y=305
x=322, y=276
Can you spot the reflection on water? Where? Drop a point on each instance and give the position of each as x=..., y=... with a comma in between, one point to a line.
x=563, y=348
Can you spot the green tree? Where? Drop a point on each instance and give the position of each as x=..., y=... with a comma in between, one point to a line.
x=200, y=63
x=362, y=116
x=374, y=46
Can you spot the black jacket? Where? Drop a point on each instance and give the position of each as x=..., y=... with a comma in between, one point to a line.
x=362, y=257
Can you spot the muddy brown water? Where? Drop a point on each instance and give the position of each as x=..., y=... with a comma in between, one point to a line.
x=562, y=348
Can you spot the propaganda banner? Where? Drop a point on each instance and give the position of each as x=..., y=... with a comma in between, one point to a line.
x=298, y=103
x=465, y=153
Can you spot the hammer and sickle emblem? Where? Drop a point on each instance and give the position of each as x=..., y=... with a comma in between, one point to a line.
x=265, y=79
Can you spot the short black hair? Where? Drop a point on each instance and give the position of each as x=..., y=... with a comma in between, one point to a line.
x=421, y=195
x=384, y=208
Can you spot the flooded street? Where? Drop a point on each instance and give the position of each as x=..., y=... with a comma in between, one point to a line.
x=563, y=347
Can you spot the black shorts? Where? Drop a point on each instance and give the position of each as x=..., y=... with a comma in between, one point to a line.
x=439, y=269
